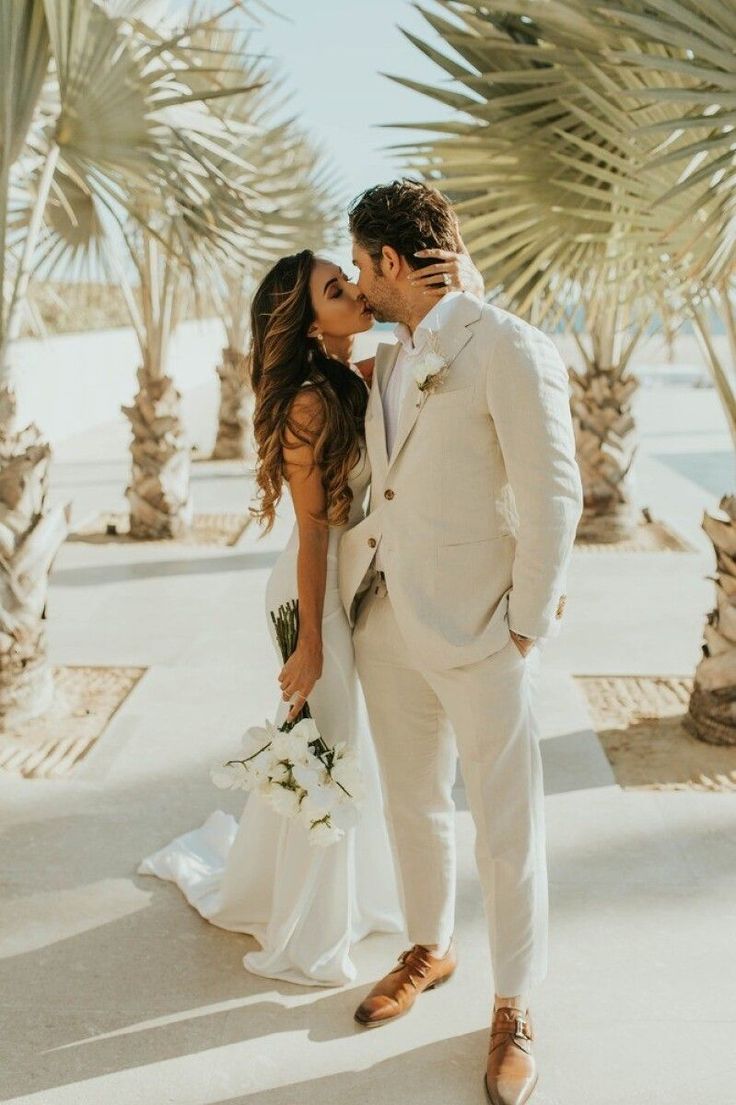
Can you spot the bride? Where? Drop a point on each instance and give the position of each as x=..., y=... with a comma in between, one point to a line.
x=307, y=905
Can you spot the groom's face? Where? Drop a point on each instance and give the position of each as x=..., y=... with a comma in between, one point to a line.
x=379, y=282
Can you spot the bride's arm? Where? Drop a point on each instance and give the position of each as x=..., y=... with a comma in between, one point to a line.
x=304, y=667
x=365, y=368
x=458, y=268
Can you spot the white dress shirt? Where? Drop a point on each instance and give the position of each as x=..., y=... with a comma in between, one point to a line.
x=402, y=376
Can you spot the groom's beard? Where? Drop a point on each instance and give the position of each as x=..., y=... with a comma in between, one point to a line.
x=390, y=309
x=381, y=316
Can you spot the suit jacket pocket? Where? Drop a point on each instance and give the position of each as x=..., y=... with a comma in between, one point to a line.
x=472, y=577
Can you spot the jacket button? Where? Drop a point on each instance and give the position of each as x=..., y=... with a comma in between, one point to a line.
x=388, y=493
x=372, y=542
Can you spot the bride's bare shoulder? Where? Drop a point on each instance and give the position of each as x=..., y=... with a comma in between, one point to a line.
x=306, y=410
x=365, y=368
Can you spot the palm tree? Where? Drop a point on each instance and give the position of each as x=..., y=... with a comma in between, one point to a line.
x=94, y=104
x=656, y=95
x=175, y=250
x=682, y=53
x=296, y=209
x=291, y=205
x=546, y=220
x=158, y=493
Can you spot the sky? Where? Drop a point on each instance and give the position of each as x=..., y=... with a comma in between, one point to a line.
x=333, y=54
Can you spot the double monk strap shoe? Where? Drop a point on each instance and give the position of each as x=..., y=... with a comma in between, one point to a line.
x=511, y=1074
x=416, y=971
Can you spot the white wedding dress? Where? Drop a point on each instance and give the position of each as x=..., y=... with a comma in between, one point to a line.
x=306, y=905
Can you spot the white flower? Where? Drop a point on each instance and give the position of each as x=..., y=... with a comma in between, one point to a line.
x=284, y=800
x=310, y=775
x=234, y=776
x=307, y=730
x=324, y=796
x=256, y=738
x=258, y=773
x=427, y=364
x=346, y=773
x=279, y=773
x=323, y=833
x=317, y=804
x=291, y=747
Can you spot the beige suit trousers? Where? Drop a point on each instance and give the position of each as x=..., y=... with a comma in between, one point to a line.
x=421, y=721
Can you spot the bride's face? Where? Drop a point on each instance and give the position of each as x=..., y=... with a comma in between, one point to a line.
x=339, y=308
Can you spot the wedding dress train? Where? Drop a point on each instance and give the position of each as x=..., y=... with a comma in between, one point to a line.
x=305, y=905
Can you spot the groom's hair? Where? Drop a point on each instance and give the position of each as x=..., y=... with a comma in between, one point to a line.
x=406, y=215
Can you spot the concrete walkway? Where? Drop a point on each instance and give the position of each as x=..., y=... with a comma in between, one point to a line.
x=114, y=991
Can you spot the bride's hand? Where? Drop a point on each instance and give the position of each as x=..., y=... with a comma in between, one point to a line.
x=299, y=674
x=452, y=272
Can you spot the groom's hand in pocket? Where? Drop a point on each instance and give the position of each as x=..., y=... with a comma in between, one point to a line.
x=299, y=674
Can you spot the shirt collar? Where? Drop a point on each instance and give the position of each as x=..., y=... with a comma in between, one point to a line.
x=433, y=320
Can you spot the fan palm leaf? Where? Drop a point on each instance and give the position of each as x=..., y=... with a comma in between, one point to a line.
x=542, y=167
x=682, y=53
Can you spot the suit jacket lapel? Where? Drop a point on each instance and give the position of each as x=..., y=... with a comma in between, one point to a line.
x=451, y=340
x=375, y=428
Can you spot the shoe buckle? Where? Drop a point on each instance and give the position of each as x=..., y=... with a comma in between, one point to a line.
x=520, y=1028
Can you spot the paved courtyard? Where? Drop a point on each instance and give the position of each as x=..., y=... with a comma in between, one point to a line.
x=114, y=991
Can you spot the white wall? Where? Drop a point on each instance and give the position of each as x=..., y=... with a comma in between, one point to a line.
x=71, y=382
x=74, y=382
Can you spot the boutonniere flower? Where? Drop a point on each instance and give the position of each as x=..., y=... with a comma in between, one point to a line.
x=431, y=365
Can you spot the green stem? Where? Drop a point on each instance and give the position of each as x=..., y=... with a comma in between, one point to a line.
x=286, y=625
x=248, y=758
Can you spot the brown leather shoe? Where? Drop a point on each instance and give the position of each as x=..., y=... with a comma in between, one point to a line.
x=394, y=995
x=511, y=1074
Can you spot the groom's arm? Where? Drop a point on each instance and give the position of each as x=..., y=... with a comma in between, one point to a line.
x=528, y=399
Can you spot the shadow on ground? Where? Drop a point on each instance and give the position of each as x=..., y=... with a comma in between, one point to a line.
x=187, y=565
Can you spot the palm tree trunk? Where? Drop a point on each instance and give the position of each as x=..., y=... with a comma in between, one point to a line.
x=30, y=533
x=605, y=434
x=160, y=503
x=602, y=415
x=712, y=711
x=233, y=424
x=30, y=536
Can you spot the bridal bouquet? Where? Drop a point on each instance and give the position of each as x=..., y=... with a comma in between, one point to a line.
x=291, y=766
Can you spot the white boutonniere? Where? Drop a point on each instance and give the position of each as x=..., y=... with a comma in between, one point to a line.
x=431, y=365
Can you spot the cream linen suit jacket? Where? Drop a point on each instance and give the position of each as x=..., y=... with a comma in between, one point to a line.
x=476, y=508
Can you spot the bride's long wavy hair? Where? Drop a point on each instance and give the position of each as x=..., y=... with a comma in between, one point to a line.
x=282, y=358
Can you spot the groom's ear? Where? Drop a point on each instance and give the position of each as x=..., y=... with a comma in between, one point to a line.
x=392, y=263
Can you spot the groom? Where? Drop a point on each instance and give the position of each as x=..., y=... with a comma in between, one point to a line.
x=455, y=572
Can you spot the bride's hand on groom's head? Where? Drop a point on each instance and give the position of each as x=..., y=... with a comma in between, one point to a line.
x=450, y=272
x=299, y=674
